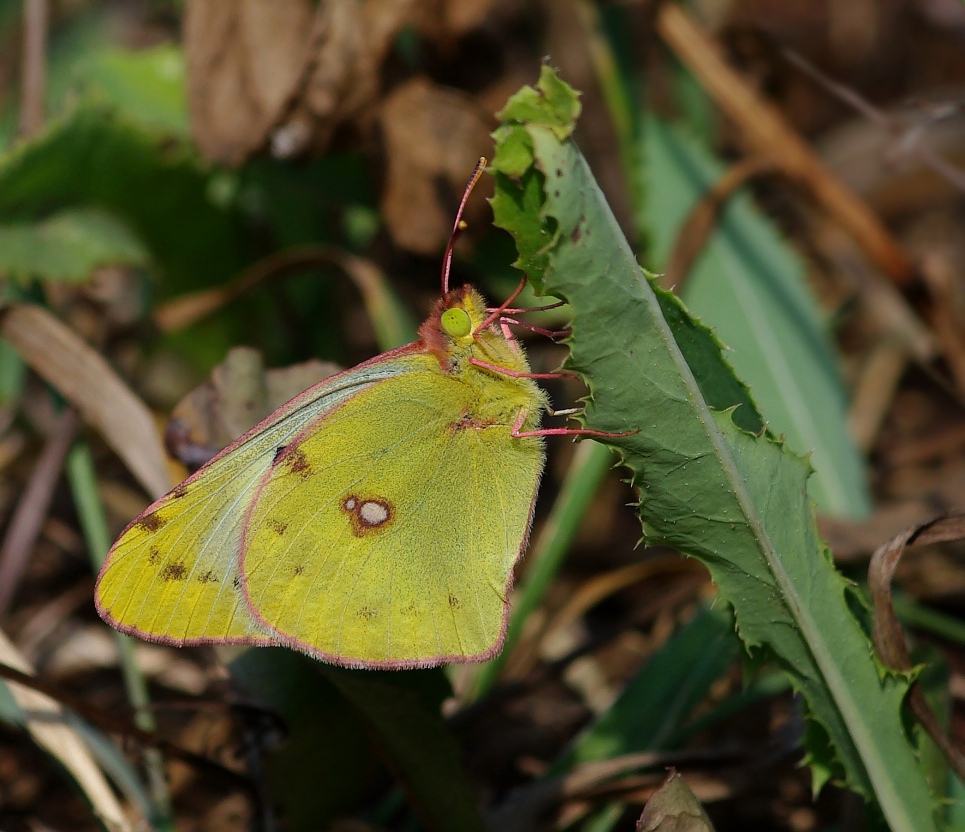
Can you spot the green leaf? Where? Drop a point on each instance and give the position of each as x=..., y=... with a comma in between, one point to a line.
x=67, y=246
x=147, y=86
x=655, y=703
x=338, y=718
x=552, y=103
x=750, y=286
x=155, y=186
x=736, y=500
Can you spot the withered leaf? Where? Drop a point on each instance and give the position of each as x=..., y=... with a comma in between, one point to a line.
x=245, y=60
x=433, y=135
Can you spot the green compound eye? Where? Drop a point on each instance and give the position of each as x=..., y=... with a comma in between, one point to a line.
x=456, y=322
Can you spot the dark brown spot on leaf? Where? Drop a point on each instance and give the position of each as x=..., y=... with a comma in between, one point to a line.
x=174, y=571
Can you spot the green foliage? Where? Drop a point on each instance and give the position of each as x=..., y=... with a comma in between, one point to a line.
x=656, y=702
x=334, y=716
x=736, y=500
x=96, y=158
x=67, y=246
x=749, y=285
x=147, y=87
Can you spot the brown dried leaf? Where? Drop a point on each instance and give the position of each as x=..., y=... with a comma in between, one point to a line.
x=888, y=635
x=352, y=40
x=432, y=137
x=449, y=19
x=674, y=808
x=48, y=723
x=283, y=72
x=239, y=394
x=245, y=61
x=83, y=377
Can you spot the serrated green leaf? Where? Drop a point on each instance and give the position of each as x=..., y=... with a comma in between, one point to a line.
x=67, y=246
x=516, y=156
x=735, y=500
x=749, y=285
x=552, y=103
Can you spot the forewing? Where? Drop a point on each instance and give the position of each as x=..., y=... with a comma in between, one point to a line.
x=172, y=575
x=385, y=536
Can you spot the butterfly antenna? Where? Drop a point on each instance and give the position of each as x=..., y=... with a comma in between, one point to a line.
x=460, y=224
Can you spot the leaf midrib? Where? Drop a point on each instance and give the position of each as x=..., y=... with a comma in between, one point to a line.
x=876, y=770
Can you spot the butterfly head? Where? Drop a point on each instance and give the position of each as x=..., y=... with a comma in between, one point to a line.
x=454, y=323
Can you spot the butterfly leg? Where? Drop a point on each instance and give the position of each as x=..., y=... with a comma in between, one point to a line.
x=577, y=432
x=503, y=371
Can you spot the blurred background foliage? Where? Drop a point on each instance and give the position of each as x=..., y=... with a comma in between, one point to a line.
x=178, y=179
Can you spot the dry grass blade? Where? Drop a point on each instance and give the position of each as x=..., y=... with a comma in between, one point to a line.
x=82, y=375
x=32, y=507
x=889, y=639
x=699, y=226
x=875, y=391
x=46, y=722
x=768, y=133
x=368, y=278
x=946, y=313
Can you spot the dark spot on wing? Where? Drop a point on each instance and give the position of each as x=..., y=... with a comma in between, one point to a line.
x=277, y=526
x=179, y=491
x=173, y=571
x=469, y=422
x=154, y=556
x=236, y=583
x=298, y=570
x=207, y=578
x=367, y=613
x=454, y=602
x=278, y=452
x=150, y=522
x=297, y=462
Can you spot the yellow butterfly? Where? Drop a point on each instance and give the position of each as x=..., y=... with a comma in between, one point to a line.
x=373, y=521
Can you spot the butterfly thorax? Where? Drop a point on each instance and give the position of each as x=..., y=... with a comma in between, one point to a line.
x=454, y=338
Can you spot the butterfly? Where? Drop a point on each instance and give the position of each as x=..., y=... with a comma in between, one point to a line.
x=373, y=521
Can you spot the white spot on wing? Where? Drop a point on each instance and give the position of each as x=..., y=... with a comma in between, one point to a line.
x=373, y=514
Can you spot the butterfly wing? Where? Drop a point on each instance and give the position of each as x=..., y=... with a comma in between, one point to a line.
x=386, y=533
x=172, y=576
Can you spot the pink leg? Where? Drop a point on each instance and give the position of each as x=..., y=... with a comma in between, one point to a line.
x=498, y=311
x=515, y=373
x=520, y=434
